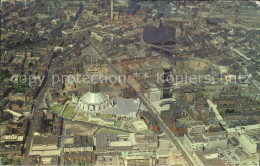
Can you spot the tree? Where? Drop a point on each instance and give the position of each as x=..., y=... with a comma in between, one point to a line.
x=229, y=111
x=5, y=74
x=8, y=161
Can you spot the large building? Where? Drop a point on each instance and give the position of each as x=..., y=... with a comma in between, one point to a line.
x=103, y=139
x=78, y=143
x=154, y=94
x=140, y=125
x=163, y=35
x=45, y=149
x=248, y=137
x=114, y=142
x=207, y=158
x=197, y=127
x=75, y=34
x=199, y=142
x=179, y=24
x=94, y=101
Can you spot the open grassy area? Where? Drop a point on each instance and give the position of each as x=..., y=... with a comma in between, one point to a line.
x=103, y=116
x=83, y=118
x=132, y=126
x=48, y=97
x=102, y=130
x=57, y=109
x=10, y=161
x=117, y=124
x=69, y=111
x=183, y=121
x=125, y=127
x=145, y=131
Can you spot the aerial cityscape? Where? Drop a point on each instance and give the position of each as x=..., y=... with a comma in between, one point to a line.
x=130, y=83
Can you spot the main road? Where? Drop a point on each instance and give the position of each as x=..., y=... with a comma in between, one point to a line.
x=151, y=109
x=41, y=97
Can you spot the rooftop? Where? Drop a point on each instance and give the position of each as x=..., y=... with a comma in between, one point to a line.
x=162, y=35
x=209, y=158
x=102, y=138
x=94, y=98
x=124, y=107
x=120, y=143
x=45, y=140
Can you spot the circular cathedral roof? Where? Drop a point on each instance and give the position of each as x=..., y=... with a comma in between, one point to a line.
x=94, y=98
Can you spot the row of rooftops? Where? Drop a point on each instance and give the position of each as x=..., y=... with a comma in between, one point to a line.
x=105, y=140
x=204, y=137
x=4, y=148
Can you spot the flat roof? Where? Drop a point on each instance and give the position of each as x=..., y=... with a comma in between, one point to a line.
x=209, y=158
x=139, y=124
x=101, y=139
x=196, y=123
x=123, y=107
x=132, y=138
x=45, y=140
x=154, y=89
x=120, y=143
x=164, y=144
x=56, y=152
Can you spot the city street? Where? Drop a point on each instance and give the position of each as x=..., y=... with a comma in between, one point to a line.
x=151, y=110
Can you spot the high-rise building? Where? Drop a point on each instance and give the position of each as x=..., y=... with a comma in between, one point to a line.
x=154, y=94
x=166, y=83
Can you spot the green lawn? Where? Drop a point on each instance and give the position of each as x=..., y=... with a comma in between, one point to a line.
x=132, y=126
x=69, y=111
x=57, y=109
x=102, y=130
x=125, y=127
x=145, y=131
x=103, y=116
x=117, y=124
x=183, y=121
x=205, y=94
x=10, y=161
x=48, y=97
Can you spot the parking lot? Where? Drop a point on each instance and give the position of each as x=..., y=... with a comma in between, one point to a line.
x=238, y=157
